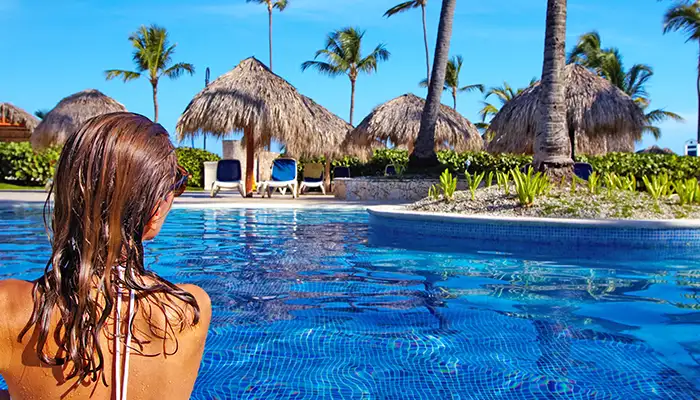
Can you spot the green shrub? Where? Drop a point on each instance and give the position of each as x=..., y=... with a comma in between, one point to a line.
x=503, y=179
x=448, y=184
x=621, y=164
x=474, y=180
x=594, y=183
x=193, y=161
x=19, y=164
x=686, y=190
x=657, y=186
x=434, y=192
x=489, y=179
x=529, y=186
x=639, y=165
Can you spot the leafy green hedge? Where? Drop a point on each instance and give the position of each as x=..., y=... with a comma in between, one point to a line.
x=639, y=165
x=193, y=161
x=677, y=167
x=20, y=165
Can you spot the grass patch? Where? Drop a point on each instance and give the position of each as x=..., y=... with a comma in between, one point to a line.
x=9, y=186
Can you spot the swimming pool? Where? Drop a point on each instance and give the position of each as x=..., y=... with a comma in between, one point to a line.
x=307, y=306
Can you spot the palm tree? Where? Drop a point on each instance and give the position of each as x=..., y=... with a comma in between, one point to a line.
x=152, y=54
x=454, y=67
x=608, y=64
x=552, y=143
x=271, y=5
x=424, y=151
x=685, y=17
x=41, y=114
x=343, y=54
x=405, y=6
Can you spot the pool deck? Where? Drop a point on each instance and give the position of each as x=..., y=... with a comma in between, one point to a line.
x=223, y=200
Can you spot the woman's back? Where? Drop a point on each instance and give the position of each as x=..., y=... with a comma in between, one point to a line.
x=157, y=377
x=98, y=323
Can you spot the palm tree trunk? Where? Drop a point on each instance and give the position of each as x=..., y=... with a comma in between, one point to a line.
x=698, y=89
x=270, y=28
x=155, y=101
x=552, y=143
x=424, y=153
x=454, y=98
x=425, y=39
x=352, y=98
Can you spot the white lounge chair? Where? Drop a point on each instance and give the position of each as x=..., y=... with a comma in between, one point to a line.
x=229, y=177
x=284, y=176
x=313, y=177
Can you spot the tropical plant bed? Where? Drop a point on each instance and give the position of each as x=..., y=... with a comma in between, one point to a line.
x=562, y=203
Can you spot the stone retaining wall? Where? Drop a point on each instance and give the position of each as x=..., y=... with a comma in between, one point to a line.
x=389, y=189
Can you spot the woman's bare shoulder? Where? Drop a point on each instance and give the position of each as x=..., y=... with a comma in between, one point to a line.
x=202, y=298
x=15, y=297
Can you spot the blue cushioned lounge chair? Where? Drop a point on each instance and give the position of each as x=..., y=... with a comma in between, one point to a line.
x=284, y=176
x=228, y=176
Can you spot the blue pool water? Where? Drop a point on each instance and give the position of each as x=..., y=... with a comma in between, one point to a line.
x=312, y=304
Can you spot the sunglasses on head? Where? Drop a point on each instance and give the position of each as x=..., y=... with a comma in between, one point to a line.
x=180, y=184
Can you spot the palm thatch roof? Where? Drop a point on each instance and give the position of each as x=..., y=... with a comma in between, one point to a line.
x=330, y=128
x=251, y=98
x=601, y=118
x=398, y=121
x=14, y=115
x=69, y=114
x=656, y=150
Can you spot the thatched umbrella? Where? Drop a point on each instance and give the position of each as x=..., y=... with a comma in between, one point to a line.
x=656, y=150
x=398, y=121
x=69, y=114
x=252, y=99
x=601, y=118
x=331, y=130
x=15, y=123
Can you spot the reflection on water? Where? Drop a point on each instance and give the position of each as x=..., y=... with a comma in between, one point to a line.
x=312, y=304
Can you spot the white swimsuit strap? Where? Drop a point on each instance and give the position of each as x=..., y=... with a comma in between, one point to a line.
x=121, y=383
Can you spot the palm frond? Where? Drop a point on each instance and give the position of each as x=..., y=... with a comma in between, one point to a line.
x=399, y=8
x=586, y=50
x=488, y=110
x=369, y=63
x=322, y=67
x=636, y=79
x=612, y=68
x=471, y=88
x=683, y=18
x=652, y=130
x=656, y=116
x=280, y=4
x=124, y=75
x=178, y=69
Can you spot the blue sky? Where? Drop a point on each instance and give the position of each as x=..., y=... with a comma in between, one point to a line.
x=55, y=48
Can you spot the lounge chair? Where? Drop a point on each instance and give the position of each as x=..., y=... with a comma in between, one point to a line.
x=583, y=170
x=341, y=172
x=390, y=170
x=228, y=176
x=284, y=176
x=313, y=177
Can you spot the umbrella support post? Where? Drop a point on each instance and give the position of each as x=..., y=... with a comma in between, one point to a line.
x=327, y=174
x=249, y=161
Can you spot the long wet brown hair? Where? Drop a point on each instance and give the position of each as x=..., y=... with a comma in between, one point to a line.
x=112, y=175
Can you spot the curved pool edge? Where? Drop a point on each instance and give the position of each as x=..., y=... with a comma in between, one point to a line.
x=398, y=221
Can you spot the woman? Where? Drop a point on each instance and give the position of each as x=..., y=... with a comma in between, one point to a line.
x=97, y=324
